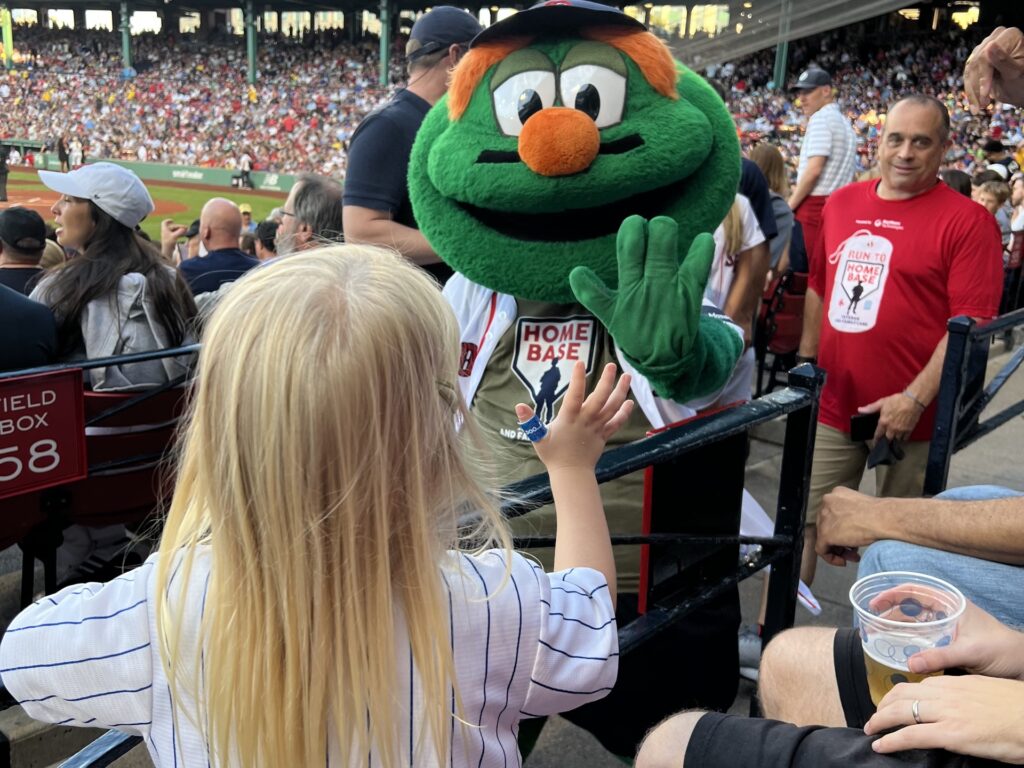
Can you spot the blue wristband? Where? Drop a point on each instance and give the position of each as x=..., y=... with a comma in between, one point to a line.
x=534, y=428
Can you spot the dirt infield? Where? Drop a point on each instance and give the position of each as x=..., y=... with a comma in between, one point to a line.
x=41, y=200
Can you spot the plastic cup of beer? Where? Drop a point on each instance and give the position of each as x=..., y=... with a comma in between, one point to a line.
x=898, y=614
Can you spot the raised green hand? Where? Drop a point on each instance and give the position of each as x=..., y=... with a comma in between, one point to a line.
x=655, y=314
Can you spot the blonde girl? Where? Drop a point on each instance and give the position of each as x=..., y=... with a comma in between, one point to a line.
x=311, y=602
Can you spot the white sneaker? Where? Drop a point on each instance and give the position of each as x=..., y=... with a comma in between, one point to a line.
x=750, y=653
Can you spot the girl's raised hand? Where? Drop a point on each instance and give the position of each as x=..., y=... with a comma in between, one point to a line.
x=577, y=436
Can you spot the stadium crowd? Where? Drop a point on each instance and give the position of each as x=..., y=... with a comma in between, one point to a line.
x=869, y=73
x=190, y=103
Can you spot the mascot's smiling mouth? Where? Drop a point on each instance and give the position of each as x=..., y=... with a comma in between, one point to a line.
x=577, y=224
x=617, y=147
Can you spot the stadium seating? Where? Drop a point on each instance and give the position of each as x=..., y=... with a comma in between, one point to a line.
x=779, y=326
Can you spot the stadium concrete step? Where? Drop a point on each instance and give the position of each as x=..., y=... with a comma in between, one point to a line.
x=28, y=743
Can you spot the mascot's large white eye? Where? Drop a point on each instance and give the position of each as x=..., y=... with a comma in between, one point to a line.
x=595, y=90
x=520, y=96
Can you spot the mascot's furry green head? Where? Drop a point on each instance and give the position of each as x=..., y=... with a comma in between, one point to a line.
x=562, y=121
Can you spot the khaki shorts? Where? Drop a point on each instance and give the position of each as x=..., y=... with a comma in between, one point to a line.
x=840, y=461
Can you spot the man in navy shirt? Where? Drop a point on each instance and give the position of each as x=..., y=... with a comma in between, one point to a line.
x=376, y=204
x=30, y=335
x=220, y=224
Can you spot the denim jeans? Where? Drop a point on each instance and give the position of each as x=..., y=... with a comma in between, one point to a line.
x=994, y=587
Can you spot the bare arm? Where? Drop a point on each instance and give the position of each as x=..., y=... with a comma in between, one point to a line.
x=900, y=412
x=991, y=529
x=745, y=291
x=805, y=184
x=570, y=450
x=366, y=225
x=812, y=324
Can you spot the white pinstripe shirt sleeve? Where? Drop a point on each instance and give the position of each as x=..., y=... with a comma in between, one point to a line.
x=578, y=648
x=82, y=656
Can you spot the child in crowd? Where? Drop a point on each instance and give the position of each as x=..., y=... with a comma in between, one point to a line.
x=993, y=195
x=314, y=600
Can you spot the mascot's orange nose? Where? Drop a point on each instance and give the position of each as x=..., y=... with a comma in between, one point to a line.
x=559, y=141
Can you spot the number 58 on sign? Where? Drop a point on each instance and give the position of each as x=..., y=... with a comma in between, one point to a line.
x=42, y=432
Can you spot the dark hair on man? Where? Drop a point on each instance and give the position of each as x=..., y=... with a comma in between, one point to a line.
x=956, y=180
x=318, y=205
x=929, y=101
x=983, y=177
x=112, y=252
x=247, y=243
x=266, y=231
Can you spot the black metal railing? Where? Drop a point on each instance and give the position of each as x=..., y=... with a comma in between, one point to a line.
x=798, y=403
x=963, y=395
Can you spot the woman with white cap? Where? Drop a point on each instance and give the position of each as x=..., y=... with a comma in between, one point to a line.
x=119, y=296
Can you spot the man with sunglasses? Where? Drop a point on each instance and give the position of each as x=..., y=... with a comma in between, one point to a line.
x=376, y=205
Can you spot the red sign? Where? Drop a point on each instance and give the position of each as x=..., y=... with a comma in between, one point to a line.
x=42, y=432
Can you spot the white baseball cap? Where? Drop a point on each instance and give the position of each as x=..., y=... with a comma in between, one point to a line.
x=115, y=190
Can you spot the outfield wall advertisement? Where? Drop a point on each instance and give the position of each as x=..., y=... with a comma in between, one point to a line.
x=188, y=174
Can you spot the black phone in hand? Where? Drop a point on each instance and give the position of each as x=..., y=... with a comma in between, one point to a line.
x=862, y=426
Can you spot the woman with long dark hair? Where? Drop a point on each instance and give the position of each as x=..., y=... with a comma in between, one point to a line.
x=118, y=296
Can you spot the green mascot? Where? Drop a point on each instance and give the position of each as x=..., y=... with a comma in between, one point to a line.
x=572, y=178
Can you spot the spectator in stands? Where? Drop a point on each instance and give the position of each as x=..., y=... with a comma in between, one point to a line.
x=53, y=255
x=827, y=154
x=22, y=240
x=996, y=154
x=769, y=160
x=729, y=289
x=119, y=296
x=813, y=677
x=30, y=332
x=247, y=243
x=972, y=537
x=266, y=232
x=316, y=521
x=220, y=225
x=993, y=196
x=377, y=207
x=884, y=239
x=311, y=215
x=248, y=225
x=956, y=180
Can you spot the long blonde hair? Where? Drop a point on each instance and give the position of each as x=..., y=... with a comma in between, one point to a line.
x=323, y=474
x=733, y=227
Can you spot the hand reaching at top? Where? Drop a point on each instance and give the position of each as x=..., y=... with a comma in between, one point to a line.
x=995, y=69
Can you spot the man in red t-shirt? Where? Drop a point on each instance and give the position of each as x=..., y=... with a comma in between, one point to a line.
x=901, y=255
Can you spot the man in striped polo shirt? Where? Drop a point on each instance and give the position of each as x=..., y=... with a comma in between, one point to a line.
x=827, y=154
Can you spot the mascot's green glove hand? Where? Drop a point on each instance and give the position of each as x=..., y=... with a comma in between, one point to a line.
x=655, y=315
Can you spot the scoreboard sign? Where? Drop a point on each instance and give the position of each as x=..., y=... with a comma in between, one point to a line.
x=42, y=432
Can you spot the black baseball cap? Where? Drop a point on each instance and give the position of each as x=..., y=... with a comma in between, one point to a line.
x=993, y=145
x=439, y=28
x=22, y=228
x=556, y=16
x=814, y=77
x=192, y=230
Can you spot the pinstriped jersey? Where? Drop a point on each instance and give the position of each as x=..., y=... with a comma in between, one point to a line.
x=537, y=645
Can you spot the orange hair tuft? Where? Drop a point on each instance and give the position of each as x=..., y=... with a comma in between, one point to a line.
x=471, y=70
x=647, y=51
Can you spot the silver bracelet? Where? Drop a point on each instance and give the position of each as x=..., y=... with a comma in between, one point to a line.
x=907, y=393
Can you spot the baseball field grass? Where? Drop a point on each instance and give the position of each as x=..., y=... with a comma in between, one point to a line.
x=180, y=202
